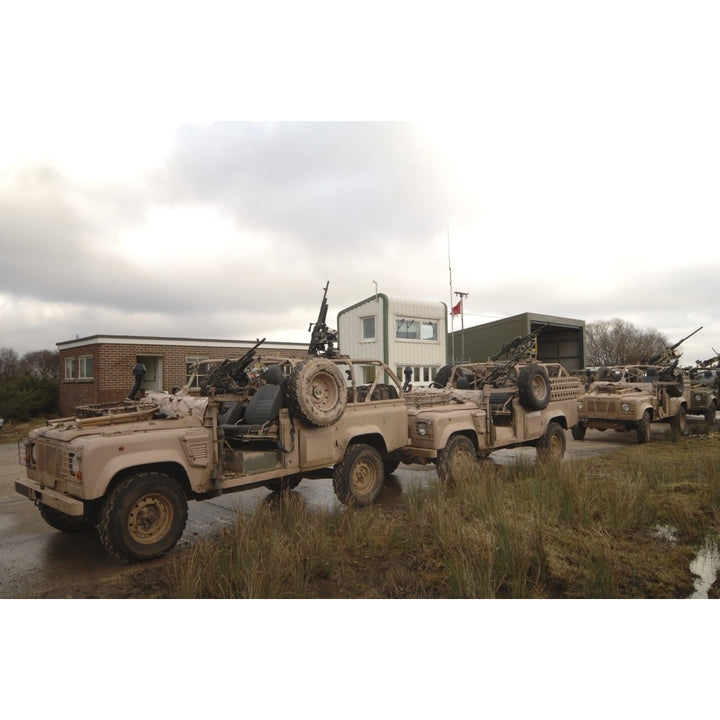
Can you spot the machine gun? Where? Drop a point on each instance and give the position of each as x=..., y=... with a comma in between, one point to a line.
x=230, y=375
x=524, y=344
x=519, y=347
x=668, y=356
x=710, y=361
x=323, y=338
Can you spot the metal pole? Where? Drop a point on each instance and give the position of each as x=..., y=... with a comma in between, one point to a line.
x=462, y=295
x=452, y=317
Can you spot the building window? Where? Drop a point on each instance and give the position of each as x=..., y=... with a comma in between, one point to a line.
x=423, y=375
x=70, y=368
x=411, y=329
x=86, y=368
x=368, y=328
x=196, y=371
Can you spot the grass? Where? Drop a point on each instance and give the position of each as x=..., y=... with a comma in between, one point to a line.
x=585, y=529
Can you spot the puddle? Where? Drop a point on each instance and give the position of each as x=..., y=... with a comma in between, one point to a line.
x=705, y=565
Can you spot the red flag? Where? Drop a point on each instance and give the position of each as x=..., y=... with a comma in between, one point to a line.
x=456, y=309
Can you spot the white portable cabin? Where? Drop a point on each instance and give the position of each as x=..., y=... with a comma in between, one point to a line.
x=402, y=333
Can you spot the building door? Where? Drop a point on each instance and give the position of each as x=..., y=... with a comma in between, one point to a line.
x=153, y=379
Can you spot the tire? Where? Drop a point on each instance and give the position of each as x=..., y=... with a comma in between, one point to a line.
x=534, y=387
x=283, y=484
x=457, y=460
x=578, y=431
x=316, y=392
x=442, y=376
x=679, y=421
x=64, y=522
x=359, y=478
x=643, y=428
x=143, y=517
x=710, y=415
x=678, y=388
x=551, y=446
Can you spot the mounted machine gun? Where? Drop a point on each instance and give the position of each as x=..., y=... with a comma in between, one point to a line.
x=230, y=375
x=323, y=339
x=668, y=359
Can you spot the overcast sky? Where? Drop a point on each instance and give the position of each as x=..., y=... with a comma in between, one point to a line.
x=561, y=160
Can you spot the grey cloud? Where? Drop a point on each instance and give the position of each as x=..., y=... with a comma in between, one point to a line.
x=324, y=182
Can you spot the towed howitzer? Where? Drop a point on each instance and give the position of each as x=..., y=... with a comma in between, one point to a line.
x=230, y=375
x=668, y=356
x=323, y=338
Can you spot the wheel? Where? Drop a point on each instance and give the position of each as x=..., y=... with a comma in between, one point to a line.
x=678, y=388
x=442, y=376
x=316, y=392
x=358, y=479
x=643, y=428
x=143, y=517
x=457, y=460
x=551, y=446
x=710, y=415
x=679, y=421
x=64, y=522
x=578, y=431
x=283, y=484
x=534, y=387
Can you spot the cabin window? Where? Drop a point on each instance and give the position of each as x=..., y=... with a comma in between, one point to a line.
x=368, y=327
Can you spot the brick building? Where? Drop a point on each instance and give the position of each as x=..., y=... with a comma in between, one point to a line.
x=98, y=369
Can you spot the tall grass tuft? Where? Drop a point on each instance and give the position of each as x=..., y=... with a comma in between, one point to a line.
x=529, y=530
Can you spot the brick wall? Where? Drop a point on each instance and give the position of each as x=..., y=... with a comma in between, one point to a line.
x=113, y=364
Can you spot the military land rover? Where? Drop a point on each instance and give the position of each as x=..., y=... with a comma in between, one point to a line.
x=484, y=408
x=704, y=382
x=632, y=397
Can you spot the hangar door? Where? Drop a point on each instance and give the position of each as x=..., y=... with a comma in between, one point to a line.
x=561, y=345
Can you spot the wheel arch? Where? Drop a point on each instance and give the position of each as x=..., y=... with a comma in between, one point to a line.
x=471, y=435
x=374, y=439
x=172, y=469
x=560, y=419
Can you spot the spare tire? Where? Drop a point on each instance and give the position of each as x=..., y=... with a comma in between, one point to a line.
x=678, y=388
x=534, y=387
x=442, y=376
x=316, y=392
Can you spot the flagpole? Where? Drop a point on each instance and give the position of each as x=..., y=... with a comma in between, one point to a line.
x=452, y=317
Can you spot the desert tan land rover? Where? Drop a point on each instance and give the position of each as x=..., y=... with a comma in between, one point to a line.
x=131, y=468
x=631, y=398
x=454, y=426
x=704, y=383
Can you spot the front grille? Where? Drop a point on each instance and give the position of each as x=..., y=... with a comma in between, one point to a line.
x=602, y=407
x=53, y=461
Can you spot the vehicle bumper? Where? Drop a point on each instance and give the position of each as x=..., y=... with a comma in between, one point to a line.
x=34, y=491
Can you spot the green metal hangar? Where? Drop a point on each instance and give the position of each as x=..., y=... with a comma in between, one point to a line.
x=560, y=339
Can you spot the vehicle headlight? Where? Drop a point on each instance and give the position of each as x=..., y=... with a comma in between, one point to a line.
x=422, y=429
x=698, y=397
x=625, y=407
x=580, y=404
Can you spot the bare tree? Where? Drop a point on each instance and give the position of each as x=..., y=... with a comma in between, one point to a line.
x=618, y=342
x=41, y=363
x=9, y=362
